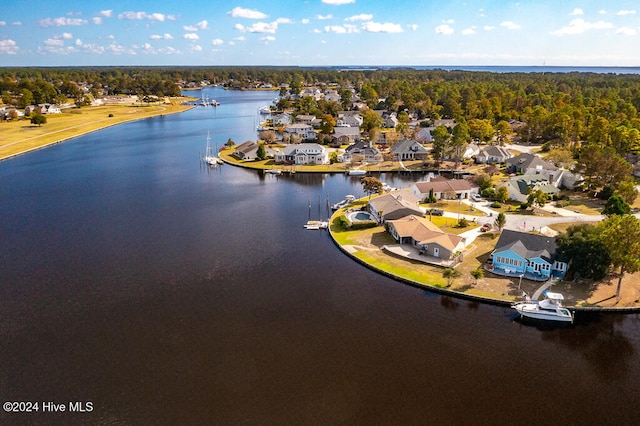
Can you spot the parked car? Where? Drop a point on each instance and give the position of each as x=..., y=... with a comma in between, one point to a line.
x=436, y=212
x=476, y=197
x=486, y=227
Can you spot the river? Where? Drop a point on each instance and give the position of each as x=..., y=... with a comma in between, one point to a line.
x=165, y=292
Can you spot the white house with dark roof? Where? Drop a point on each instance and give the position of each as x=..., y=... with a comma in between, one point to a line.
x=304, y=153
x=443, y=188
x=361, y=151
x=304, y=131
x=493, y=155
x=409, y=149
x=246, y=151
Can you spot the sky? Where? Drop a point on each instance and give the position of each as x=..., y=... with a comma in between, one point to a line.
x=321, y=33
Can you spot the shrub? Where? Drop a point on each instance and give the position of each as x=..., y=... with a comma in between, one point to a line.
x=110, y=115
x=364, y=225
x=495, y=205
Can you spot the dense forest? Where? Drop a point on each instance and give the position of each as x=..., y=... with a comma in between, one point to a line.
x=587, y=115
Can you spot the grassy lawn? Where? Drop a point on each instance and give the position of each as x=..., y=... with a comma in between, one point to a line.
x=21, y=136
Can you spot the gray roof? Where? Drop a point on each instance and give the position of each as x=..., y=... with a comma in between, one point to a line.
x=527, y=245
x=527, y=161
x=409, y=145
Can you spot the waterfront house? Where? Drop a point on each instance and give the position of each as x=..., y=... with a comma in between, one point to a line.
x=361, y=151
x=303, y=131
x=394, y=205
x=304, y=153
x=409, y=149
x=281, y=119
x=246, y=151
x=532, y=256
x=493, y=155
x=421, y=234
x=443, y=188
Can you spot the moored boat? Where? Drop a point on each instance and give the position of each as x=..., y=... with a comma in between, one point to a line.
x=548, y=309
x=316, y=224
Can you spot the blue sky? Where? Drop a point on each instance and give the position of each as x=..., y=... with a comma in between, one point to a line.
x=321, y=32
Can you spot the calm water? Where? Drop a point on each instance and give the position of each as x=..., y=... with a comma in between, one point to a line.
x=167, y=293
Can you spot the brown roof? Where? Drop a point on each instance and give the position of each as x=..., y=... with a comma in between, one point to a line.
x=424, y=231
x=443, y=185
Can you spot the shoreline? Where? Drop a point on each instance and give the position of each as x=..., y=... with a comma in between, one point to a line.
x=105, y=123
x=496, y=301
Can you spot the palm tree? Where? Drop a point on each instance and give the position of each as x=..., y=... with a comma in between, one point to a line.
x=477, y=274
x=450, y=274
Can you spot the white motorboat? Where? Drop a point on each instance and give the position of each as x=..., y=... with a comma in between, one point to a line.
x=316, y=224
x=274, y=171
x=347, y=199
x=548, y=309
x=357, y=172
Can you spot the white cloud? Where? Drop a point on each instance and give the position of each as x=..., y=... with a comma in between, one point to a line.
x=217, y=42
x=54, y=42
x=469, y=31
x=267, y=39
x=165, y=36
x=324, y=18
x=96, y=20
x=510, y=25
x=488, y=28
x=626, y=12
x=602, y=12
x=196, y=48
x=3, y=23
x=341, y=29
x=259, y=27
x=160, y=17
x=579, y=26
x=66, y=36
x=305, y=21
x=191, y=36
x=78, y=42
x=202, y=25
x=413, y=27
x=361, y=17
x=375, y=27
x=241, y=38
x=444, y=29
x=283, y=21
x=106, y=13
x=577, y=11
x=241, y=12
x=17, y=23
x=338, y=2
x=626, y=31
x=61, y=22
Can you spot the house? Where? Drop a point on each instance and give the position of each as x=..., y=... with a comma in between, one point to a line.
x=246, y=151
x=390, y=122
x=281, y=119
x=304, y=131
x=447, y=122
x=532, y=256
x=423, y=235
x=305, y=119
x=493, y=154
x=471, y=151
x=346, y=135
x=304, y=153
x=443, y=188
x=409, y=149
x=349, y=120
x=394, y=205
x=530, y=164
x=527, y=163
x=519, y=187
x=361, y=151
x=424, y=135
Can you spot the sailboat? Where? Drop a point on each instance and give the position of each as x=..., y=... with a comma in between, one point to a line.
x=209, y=158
